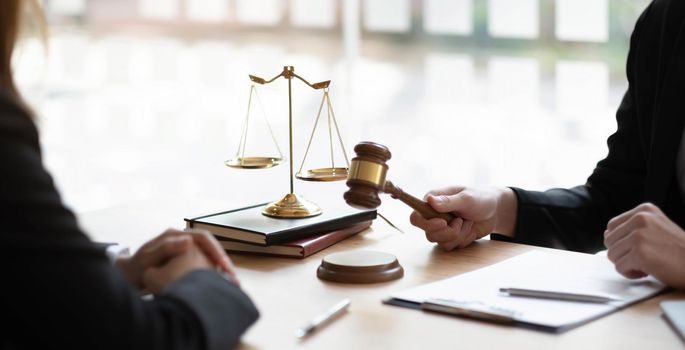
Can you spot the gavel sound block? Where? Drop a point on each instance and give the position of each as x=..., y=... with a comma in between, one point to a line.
x=366, y=178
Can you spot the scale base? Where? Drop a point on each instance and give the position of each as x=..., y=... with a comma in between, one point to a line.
x=292, y=206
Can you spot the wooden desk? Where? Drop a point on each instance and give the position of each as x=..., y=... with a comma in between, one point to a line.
x=288, y=294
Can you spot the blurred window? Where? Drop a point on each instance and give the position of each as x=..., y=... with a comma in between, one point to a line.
x=159, y=9
x=582, y=20
x=581, y=86
x=387, y=15
x=513, y=81
x=450, y=76
x=67, y=7
x=207, y=10
x=513, y=18
x=313, y=13
x=260, y=12
x=448, y=16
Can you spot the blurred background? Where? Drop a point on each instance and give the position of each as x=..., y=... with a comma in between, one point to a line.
x=140, y=99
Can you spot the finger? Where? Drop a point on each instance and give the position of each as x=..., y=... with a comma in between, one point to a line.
x=619, y=232
x=417, y=220
x=444, y=191
x=436, y=224
x=630, y=267
x=233, y=273
x=458, y=226
x=450, y=203
x=164, y=250
x=155, y=242
x=450, y=245
x=427, y=225
x=635, y=274
x=466, y=234
x=446, y=234
x=149, y=244
x=212, y=248
x=216, y=254
x=466, y=227
x=620, y=219
x=619, y=249
x=203, y=239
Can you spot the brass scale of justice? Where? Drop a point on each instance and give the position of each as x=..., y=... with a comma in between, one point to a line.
x=292, y=205
x=366, y=178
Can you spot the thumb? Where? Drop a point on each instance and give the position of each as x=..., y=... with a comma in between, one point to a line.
x=447, y=203
x=170, y=248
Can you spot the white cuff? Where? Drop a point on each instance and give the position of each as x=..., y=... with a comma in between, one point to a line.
x=115, y=251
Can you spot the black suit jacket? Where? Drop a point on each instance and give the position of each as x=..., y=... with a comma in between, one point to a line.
x=640, y=166
x=59, y=290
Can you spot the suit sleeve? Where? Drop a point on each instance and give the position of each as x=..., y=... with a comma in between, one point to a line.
x=60, y=290
x=575, y=218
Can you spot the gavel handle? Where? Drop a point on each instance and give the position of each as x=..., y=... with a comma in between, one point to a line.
x=422, y=207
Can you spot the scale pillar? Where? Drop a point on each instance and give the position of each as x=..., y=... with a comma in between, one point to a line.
x=292, y=205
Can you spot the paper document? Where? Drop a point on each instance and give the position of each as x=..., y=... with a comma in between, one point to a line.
x=564, y=272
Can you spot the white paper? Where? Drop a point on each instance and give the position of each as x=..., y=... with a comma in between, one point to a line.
x=565, y=272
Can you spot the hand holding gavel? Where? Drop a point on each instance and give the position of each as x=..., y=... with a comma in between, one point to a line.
x=367, y=177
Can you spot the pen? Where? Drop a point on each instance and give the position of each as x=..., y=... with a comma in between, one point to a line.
x=320, y=320
x=547, y=294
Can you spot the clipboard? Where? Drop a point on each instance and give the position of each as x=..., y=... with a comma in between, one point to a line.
x=473, y=309
x=476, y=294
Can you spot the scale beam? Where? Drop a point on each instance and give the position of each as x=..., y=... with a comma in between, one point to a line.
x=289, y=73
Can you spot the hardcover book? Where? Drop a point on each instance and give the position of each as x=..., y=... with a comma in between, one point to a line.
x=300, y=248
x=249, y=225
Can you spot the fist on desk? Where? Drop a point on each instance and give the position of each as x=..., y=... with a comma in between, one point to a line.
x=644, y=241
x=478, y=212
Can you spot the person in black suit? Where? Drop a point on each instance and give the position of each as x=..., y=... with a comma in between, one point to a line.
x=60, y=290
x=633, y=201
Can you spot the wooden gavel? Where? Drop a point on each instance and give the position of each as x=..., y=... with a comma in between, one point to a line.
x=366, y=178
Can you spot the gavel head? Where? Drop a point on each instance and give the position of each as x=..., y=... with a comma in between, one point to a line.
x=366, y=176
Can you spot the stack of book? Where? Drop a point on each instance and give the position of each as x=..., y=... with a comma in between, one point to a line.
x=246, y=230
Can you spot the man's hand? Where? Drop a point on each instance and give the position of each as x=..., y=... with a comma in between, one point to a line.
x=167, y=246
x=479, y=212
x=644, y=241
x=156, y=279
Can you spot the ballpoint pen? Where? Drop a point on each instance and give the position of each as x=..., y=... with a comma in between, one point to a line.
x=322, y=319
x=557, y=295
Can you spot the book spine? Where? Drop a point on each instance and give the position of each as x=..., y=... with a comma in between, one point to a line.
x=328, y=240
x=287, y=236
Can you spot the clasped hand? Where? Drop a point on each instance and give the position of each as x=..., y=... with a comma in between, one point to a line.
x=171, y=255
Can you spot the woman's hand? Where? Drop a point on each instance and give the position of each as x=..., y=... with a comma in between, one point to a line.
x=170, y=244
x=478, y=212
x=644, y=241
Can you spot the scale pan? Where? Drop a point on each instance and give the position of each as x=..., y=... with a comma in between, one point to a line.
x=254, y=162
x=323, y=174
